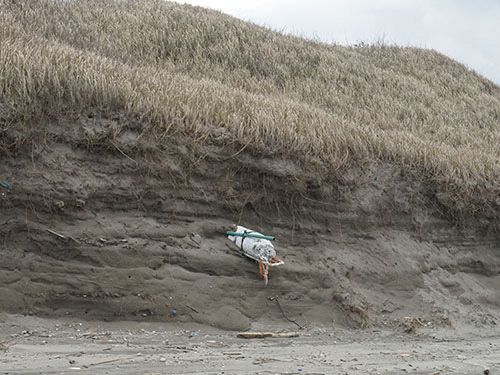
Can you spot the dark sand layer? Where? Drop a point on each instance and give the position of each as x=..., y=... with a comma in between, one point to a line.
x=107, y=233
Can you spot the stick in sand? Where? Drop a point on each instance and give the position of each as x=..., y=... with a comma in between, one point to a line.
x=113, y=360
x=261, y=335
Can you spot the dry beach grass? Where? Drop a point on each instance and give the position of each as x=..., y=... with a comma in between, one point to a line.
x=188, y=70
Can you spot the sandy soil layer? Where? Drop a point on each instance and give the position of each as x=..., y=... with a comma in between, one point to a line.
x=126, y=271
x=112, y=234
x=35, y=346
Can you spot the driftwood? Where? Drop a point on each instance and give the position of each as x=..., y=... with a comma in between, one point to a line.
x=57, y=234
x=113, y=360
x=261, y=335
x=61, y=236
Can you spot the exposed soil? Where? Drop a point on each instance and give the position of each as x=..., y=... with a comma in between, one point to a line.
x=109, y=231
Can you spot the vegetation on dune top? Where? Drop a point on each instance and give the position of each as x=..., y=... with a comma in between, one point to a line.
x=189, y=70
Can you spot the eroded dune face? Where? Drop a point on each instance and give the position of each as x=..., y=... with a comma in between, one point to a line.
x=133, y=241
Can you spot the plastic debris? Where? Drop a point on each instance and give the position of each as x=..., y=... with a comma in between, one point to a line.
x=5, y=185
x=251, y=234
x=256, y=246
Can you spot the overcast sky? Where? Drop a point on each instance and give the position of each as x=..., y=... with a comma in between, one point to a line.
x=468, y=31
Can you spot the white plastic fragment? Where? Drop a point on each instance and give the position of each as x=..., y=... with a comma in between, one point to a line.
x=255, y=248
